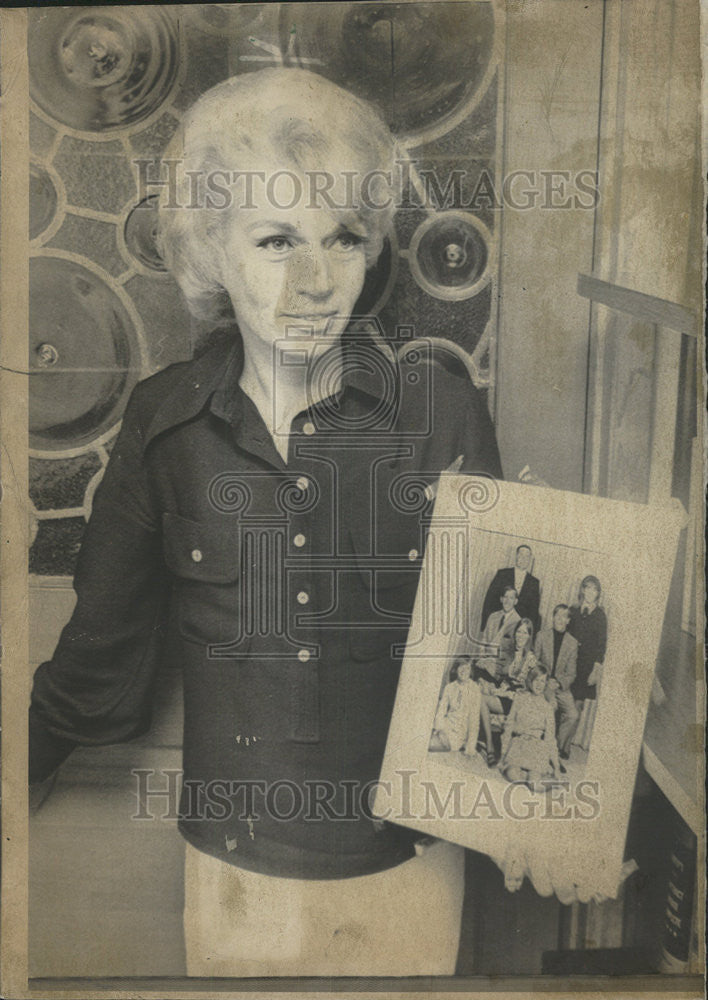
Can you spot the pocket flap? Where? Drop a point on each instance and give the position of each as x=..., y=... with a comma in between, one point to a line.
x=201, y=551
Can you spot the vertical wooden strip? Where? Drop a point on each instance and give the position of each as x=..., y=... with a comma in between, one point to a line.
x=14, y=538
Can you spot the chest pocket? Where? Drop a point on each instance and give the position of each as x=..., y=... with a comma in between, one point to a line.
x=205, y=561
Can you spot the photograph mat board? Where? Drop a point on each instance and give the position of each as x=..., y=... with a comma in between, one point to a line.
x=632, y=549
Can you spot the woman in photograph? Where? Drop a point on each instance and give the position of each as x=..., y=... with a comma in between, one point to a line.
x=457, y=718
x=529, y=750
x=588, y=626
x=247, y=516
x=498, y=697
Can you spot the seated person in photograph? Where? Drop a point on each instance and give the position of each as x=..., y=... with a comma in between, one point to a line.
x=526, y=585
x=557, y=650
x=457, y=718
x=529, y=749
x=499, y=631
x=497, y=699
x=588, y=626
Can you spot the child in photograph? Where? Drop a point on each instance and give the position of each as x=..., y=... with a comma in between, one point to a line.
x=457, y=718
x=529, y=740
x=557, y=650
x=499, y=632
x=498, y=697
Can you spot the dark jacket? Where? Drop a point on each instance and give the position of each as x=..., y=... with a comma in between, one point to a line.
x=281, y=589
x=590, y=632
x=527, y=604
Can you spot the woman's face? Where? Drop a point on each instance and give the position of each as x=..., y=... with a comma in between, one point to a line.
x=522, y=636
x=538, y=684
x=463, y=671
x=590, y=593
x=292, y=271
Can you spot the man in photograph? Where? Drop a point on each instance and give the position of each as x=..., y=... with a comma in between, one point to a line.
x=557, y=650
x=499, y=631
x=527, y=587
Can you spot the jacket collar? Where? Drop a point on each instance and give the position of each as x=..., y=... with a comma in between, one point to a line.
x=369, y=366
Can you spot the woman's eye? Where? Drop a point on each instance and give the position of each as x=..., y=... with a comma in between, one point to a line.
x=347, y=241
x=278, y=243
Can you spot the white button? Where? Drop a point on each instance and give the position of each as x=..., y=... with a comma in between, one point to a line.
x=303, y=655
x=299, y=540
x=413, y=554
x=303, y=484
x=196, y=555
x=308, y=428
x=303, y=597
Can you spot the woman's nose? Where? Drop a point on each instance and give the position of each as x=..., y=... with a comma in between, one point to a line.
x=312, y=274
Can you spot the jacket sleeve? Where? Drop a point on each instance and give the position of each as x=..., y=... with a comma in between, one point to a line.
x=95, y=690
x=601, y=640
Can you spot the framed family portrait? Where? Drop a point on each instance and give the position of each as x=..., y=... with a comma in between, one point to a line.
x=352, y=462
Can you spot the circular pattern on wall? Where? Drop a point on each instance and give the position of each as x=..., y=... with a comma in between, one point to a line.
x=422, y=65
x=43, y=200
x=450, y=255
x=84, y=354
x=140, y=234
x=99, y=69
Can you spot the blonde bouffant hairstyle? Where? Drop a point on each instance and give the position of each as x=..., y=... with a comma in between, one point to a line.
x=279, y=119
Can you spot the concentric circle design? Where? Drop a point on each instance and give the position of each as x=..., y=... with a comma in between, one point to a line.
x=450, y=255
x=101, y=69
x=43, y=200
x=140, y=234
x=84, y=355
x=423, y=65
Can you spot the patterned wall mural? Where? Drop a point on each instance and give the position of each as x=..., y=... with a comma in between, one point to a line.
x=108, y=86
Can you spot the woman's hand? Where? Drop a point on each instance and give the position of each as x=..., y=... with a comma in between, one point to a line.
x=516, y=864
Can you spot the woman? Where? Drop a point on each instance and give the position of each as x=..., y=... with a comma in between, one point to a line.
x=529, y=740
x=588, y=626
x=249, y=514
x=498, y=698
x=457, y=718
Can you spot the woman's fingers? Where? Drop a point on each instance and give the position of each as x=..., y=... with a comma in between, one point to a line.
x=540, y=877
x=565, y=891
x=513, y=867
x=584, y=893
x=514, y=872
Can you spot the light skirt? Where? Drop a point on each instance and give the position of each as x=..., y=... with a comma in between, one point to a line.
x=404, y=921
